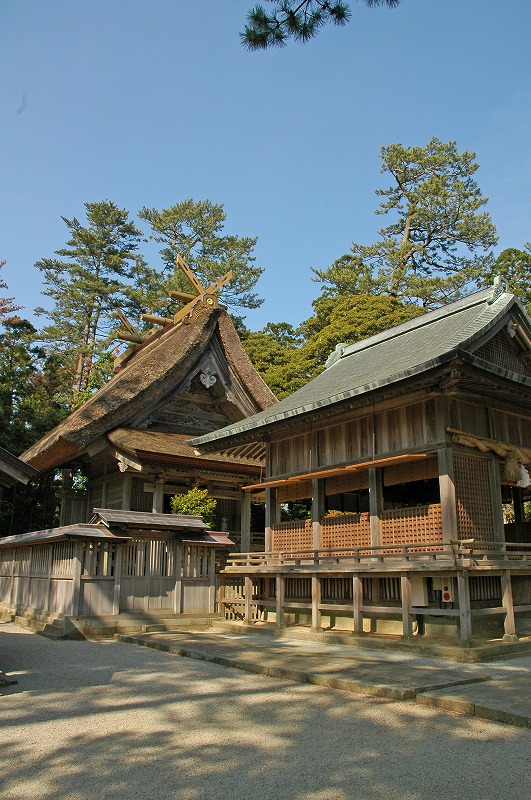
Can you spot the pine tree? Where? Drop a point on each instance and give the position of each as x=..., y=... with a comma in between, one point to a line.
x=90, y=279
x=436, y=245
x=194, y=230
x=300, y=20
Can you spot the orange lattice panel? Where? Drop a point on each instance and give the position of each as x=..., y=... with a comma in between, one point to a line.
x=420, y=525
x=347, y=530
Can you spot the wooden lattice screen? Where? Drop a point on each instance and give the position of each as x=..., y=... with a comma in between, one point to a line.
x=347, y=530
x=418, y=525
x=474, y=509
x=294, y=535
x=501, y=351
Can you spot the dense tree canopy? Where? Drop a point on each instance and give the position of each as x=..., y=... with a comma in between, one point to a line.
x=436, y=245
x=300, y=20
x=515, y=265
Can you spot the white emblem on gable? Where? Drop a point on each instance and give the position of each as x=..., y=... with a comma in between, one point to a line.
x=207, y=378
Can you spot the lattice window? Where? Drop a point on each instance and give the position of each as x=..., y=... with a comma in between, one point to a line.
x=336, y=589
x=419, y=525
x=501, y=351
x=99, y=559
x=161, y=558
x=196, y=561
x=140, y=500
x=474, y=510
x=347, y=530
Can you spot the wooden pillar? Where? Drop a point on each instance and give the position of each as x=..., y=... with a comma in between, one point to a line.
x=27, y=586
x=117, y=577
x=375, y=504
x=318, y=512
x=158, y=496
x=127, y=488
x=49, y=581
x=177, y=575
x=245, y=523
x=448, y=495
x=212, y=573
x=519, y=514
x=496, y=499
x=104, y=486
x=248, y=596
x=407, y=623
x=357, y=602
x=76, y=581
x=280, y=589
x=465, y=617
x=271, y=516
x=316, y=602
x=508, y=604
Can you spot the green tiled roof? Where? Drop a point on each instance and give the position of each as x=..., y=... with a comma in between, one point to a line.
x=389, y=357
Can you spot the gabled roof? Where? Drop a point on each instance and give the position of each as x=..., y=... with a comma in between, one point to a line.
x=118, y=526
x=403, y=352
x=147, y=378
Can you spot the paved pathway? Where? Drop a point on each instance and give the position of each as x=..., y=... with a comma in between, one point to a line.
x=498, y=690
x=95, y=720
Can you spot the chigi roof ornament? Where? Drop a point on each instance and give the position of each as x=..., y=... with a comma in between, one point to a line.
x=500, y=286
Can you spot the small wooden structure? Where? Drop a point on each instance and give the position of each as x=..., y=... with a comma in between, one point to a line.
x=119, y=562
x=406, y=450
x=187, y=376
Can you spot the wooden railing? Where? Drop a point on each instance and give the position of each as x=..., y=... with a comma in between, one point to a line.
x=464, y=553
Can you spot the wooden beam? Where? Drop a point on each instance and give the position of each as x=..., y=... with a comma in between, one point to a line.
x=331, y=473
x=155, y=320
x=183, y=297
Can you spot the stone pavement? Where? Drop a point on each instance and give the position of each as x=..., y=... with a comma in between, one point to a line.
x=499, y=690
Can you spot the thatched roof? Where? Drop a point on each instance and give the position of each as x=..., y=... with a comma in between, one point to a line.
x=148, y=377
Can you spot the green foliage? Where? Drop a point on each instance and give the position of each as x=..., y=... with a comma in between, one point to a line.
x=87, y=283
x=194, y=229
x=288, y=358
x=29, y=408
x=515, y=265
x=6, y=303
x=195, y=502
x=297, y=19
x=350, y=319
x=428, y=253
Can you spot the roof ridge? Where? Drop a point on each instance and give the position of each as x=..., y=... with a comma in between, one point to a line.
x=418, y=322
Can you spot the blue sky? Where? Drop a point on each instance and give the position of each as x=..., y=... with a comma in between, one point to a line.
x=149, y=103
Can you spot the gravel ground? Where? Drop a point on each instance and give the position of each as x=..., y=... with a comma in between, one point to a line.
x=91, y=720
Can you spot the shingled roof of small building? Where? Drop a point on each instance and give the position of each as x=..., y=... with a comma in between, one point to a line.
x=147, y=377
x=403, y=352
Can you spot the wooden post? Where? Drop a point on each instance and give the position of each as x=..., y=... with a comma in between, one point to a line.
x=212, y=573
x=221, y=604
x=280, y=588
x=177, y=575
x=447, y=493
x=508, y=604
x=104, y=487
x=465, y=618
x=158, y=496
x=245, y=523
x=76, y=581
x=318, y=512
x=127, y=489
x=271, y=513
x=357, y=602
x=496, y=499
x=117, y=578
x=49, y=582
x=248, y=596
x=519, y=514
x=27, y=588
x=375, y=504
x=407, y=623
x=316, y=602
